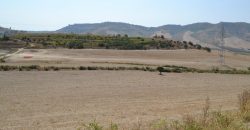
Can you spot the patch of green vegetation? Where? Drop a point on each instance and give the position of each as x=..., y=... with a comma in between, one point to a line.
x=54, y=68
x=77, y=41
x=181, y=69
x=91, y=126
x=161, y=69
x=5, y=38
x=207, y=49
x=2, y=60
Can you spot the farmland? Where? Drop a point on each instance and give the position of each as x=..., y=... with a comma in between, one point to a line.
x=64, y=99
x=49, y=100
x=101, y=57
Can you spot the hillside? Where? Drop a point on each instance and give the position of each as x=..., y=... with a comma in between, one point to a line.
x=206, y=34
x=107, y=28
x=123, y=42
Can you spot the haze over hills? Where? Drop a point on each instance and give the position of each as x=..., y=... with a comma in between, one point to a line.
x=237, y=35
x=206, y=34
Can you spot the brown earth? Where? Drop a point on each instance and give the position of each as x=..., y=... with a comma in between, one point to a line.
x=91, y=57
x=60, y=100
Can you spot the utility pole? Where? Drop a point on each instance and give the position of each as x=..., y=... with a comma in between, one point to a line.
x=221, y=44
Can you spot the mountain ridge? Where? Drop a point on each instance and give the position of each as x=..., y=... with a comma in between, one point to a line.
x=237, y=34
x=206, y=34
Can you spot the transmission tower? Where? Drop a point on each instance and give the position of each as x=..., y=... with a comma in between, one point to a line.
x=221, y=44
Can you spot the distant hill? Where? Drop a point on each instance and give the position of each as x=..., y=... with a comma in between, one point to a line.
x=8, y=31
x=206, y=34
x=108, y=28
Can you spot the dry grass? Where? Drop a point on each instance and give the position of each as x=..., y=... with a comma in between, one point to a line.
x=214, y=120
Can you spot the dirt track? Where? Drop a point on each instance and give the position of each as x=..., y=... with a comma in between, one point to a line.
x=50, y=100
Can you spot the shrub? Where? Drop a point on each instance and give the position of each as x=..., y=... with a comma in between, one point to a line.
x=222, y=120
x=189, y=123
x=82, y=68
x=177, y=70
x=160, y=69
x=5, y=38
x=205, y=112
x=34, y=67
x=2, y=60
x=92, y=68
x=216, y=120
x=20, y=68
x=136, y=68
x=244, y=101
x=113, y=126
x=56, y=68
x=160, y=125
x=246, y=117
x=198, y=46
x=7, y=68
x=215, y=69
x=207, y=49
x=91, y=126
x=110, y=68
x=121, y=68
x=72, y=68
x=46, y=68
x=190, y=43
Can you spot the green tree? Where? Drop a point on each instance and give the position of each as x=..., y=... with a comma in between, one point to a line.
x=162, y=37
x=207, y=49
x=5, y=37
x=160, y=69
x=198, y=46
x=126, y=35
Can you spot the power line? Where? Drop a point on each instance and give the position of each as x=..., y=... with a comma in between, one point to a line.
x=221, y=44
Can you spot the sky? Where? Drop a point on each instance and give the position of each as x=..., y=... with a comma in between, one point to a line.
x=41, y=15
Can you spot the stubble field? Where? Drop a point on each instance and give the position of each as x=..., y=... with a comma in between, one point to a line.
x=63, y=99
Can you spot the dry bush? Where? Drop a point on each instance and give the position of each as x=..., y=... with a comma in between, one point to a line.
x=216, y=120
x=244, y=105
x=205, y=111
x=244, y=101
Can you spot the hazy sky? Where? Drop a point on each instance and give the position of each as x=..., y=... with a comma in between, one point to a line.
x=54, y=14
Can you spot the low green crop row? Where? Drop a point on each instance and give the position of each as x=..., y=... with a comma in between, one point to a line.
x=162, y=69
x=54, y=68
x=181, y=69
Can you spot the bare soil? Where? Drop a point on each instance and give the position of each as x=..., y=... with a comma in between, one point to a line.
x=60, y=100
x=91, y=57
